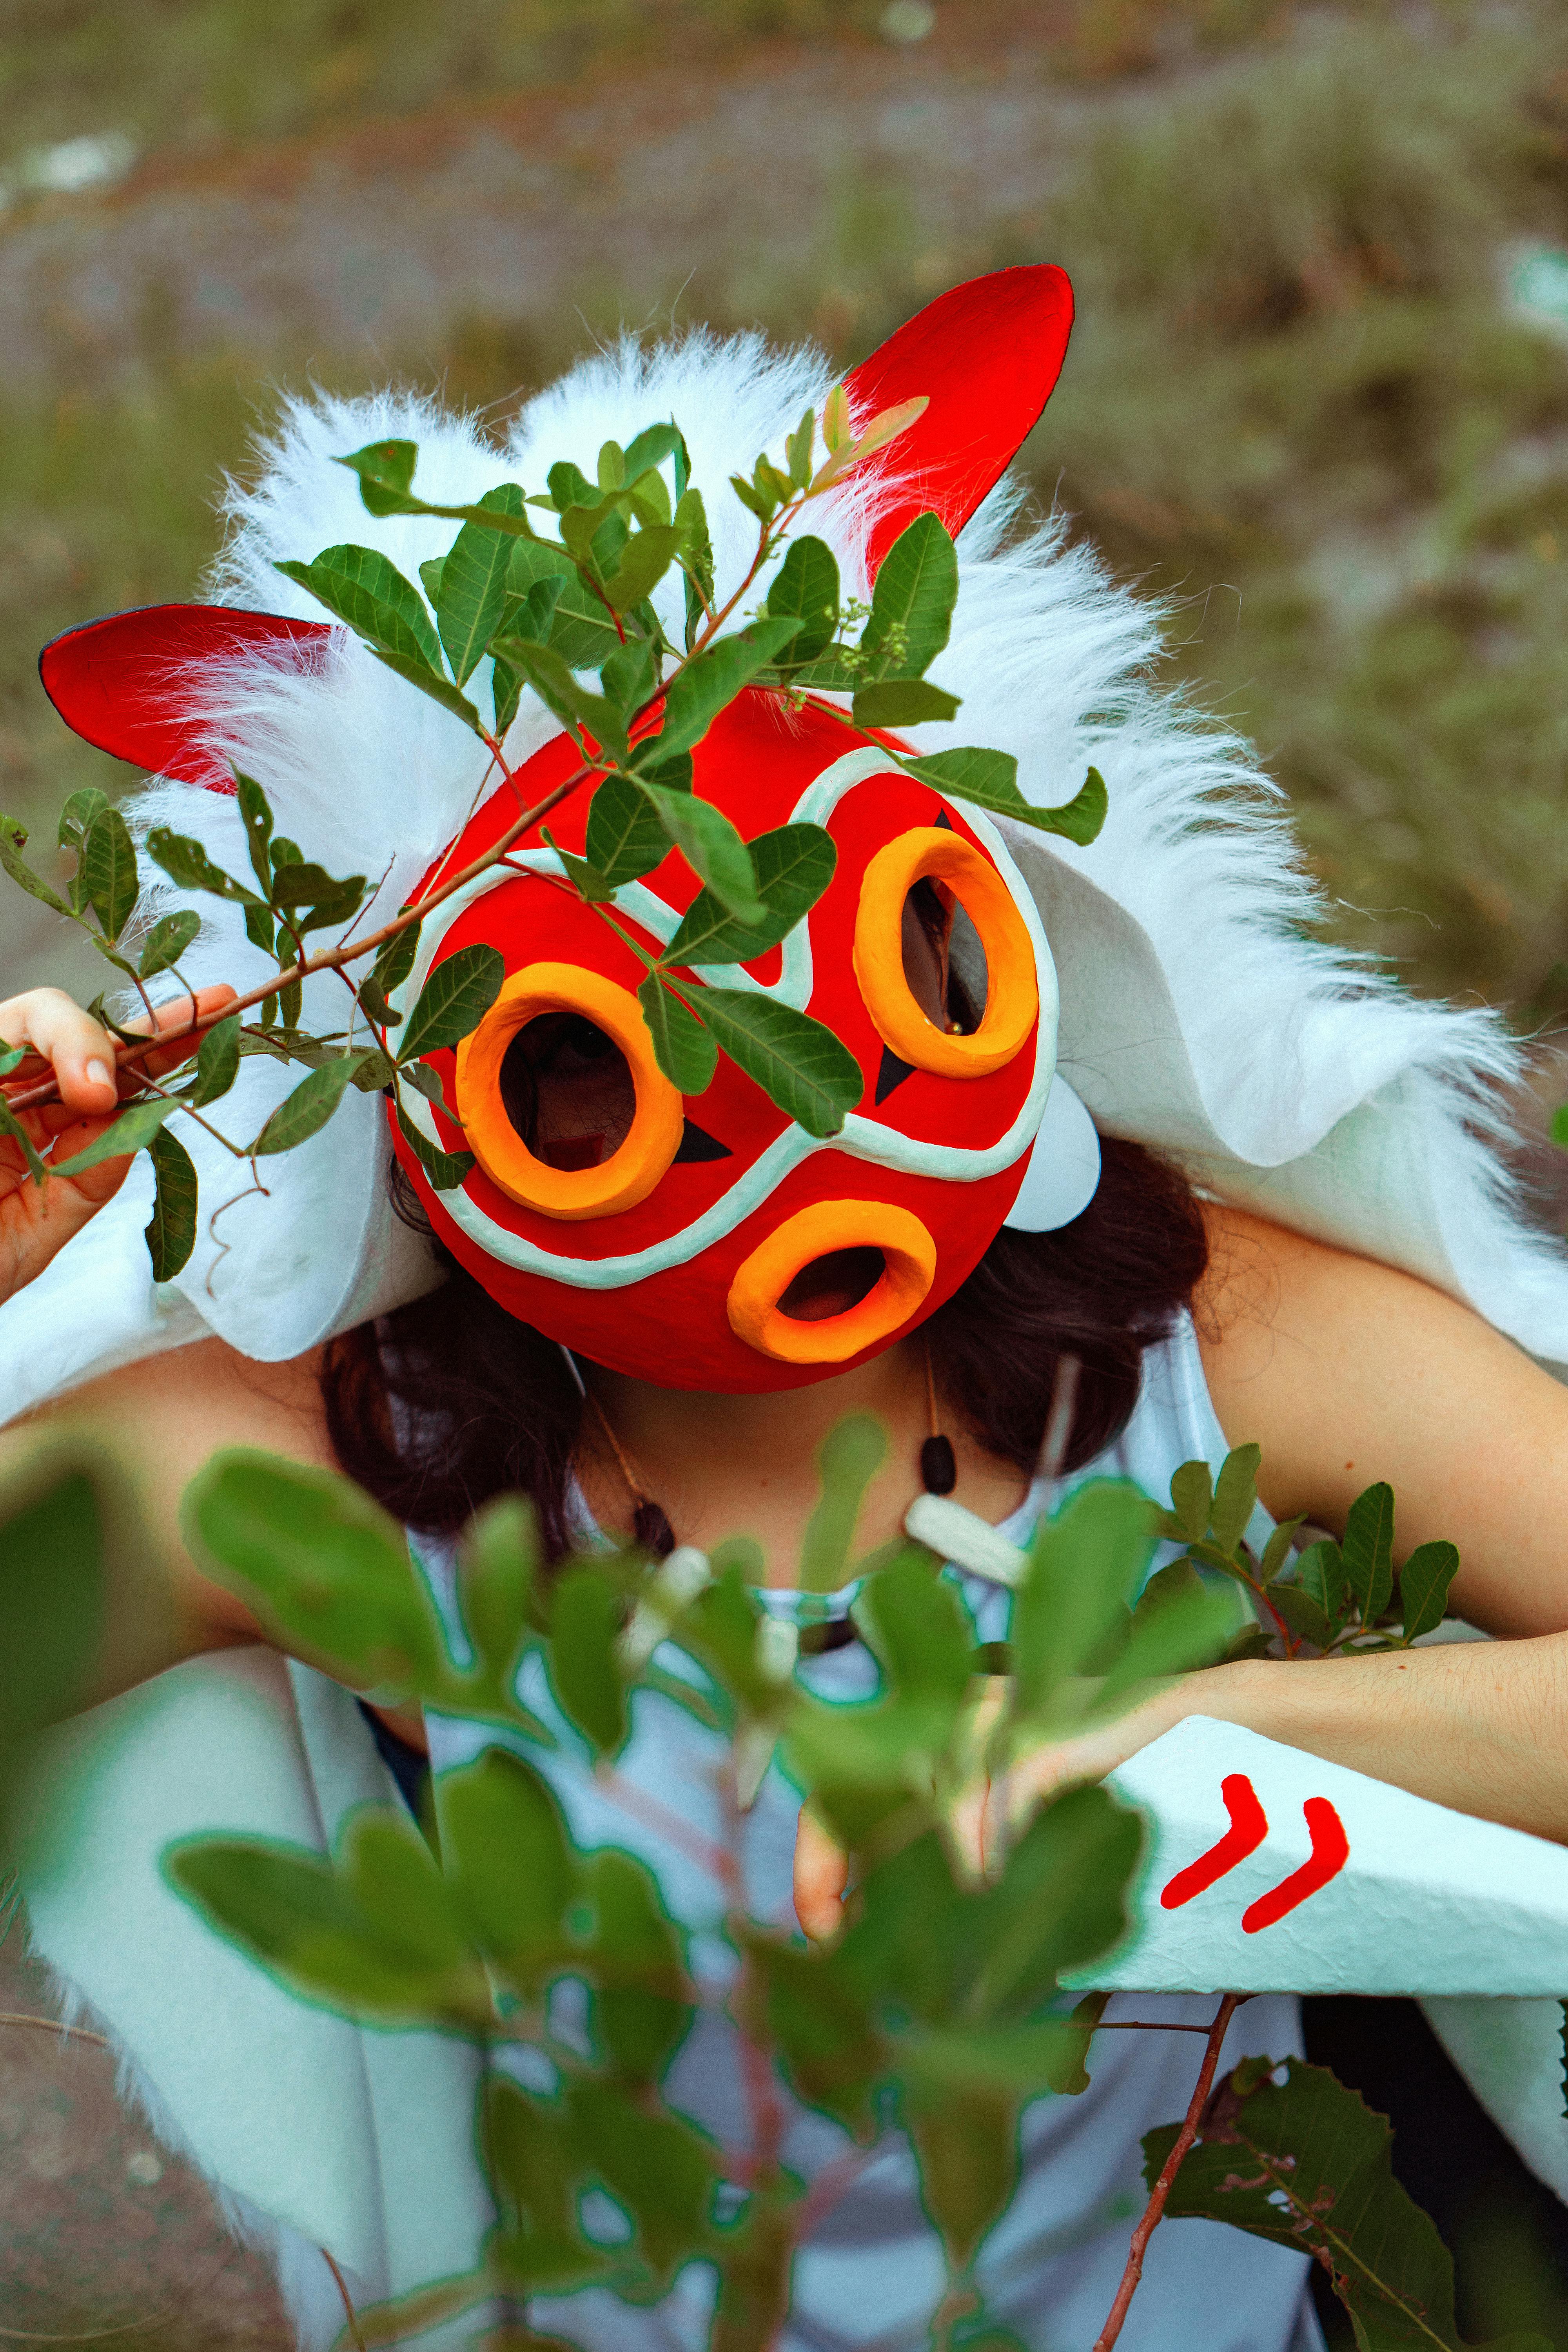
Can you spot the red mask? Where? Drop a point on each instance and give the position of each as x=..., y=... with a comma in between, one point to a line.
x=708, y=1243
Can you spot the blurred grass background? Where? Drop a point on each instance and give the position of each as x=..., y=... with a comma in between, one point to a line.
x=1305, y=405
x=1299, y=402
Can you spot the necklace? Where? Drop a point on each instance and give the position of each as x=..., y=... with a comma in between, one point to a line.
x=650, y=1521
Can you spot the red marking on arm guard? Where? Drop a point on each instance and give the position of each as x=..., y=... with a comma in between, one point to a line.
x=1330, y=1852
x=1249, y=1828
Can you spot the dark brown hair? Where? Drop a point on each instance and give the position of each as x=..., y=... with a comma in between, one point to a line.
x=451, y=1400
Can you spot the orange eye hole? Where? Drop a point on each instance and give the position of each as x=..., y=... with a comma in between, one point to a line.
x=564, y=1105
x=930, y=853
x=765, y=1284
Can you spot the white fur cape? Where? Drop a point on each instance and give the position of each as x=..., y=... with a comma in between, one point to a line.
x=1198, y=1013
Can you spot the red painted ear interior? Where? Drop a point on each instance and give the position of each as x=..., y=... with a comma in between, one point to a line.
x=987, y=356
x=120, y=682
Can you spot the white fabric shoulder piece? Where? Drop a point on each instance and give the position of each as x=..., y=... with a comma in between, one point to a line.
x=1198, y=1014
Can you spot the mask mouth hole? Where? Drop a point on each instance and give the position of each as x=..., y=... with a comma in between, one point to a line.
x=831, y=1285
x=943, y=959
x=568, y=1090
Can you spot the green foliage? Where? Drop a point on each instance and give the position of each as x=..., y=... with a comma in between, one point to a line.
x=940, y=2004
x=1305, y=2163
x=1333, y=1597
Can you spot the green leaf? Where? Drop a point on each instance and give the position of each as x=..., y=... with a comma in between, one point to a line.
x=328, y=1567
x=307, y=1110
x=584, y=1627
x=371, y=596
x=509, y=1863
x=697, y=563
x=166, y=943
x=901, y=702
x=131, y=1132
x=217, y=1063
x=627, y=677
x=626, y=836
x=1192, y=1500
x=457, y=994
x=711, y=846
x=989, y=780
x=1277, y=1549
x=1320, y=1573
x=13, y=841
x=473, y=584
x=394, y=963
x=1303, y=1612
x=498, y=1565
x=651, y=447
x=1083, y=1565
x=553, y=680
x=172, y=1232
x=662, y=2169
x=377, y=1936
x=700, y=691
x=1062, y=1902
x=582, y=627
x=374, y=1074
x=965, y=2145
x=430, y=579
x=184, y=861
x=1305, y=2163
x=847, y=1460
x=648, y=557
x=255, y=812
x=1423, y=1583
x=798, y=449
x=1367, y=1549
x=1178, y=1624
x=12, y=1126
x=56, y=1524
x=791, y=866
x=1560, y=1125
x=1080, y=818
x=325, y=897
x=77, y=816
x=805, y=588
x=912, y=602
x=385, y=470
x=798, y=1062
x=683, y=1048
x=1235, y=1495
x=431, y=682
x=446, y=1170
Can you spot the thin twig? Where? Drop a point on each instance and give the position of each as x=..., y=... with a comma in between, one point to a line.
x=1161, y=2191
x=1145, y=2026
x=656, y=1816
x=52, y=2025
x=354, y=2329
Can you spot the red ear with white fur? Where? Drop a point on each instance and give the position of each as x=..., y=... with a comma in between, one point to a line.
x=120, y=682
x=986, y=356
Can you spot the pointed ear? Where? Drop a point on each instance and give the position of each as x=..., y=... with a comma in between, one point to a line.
x=120, y=682
x=986, y=356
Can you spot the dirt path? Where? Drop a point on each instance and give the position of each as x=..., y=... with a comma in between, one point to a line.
x=608, y=200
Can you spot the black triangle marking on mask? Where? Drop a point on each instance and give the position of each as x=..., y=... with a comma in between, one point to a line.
x=942, y=818
x=696, y=1143
x=892, y=1074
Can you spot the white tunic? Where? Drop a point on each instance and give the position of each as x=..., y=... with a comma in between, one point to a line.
x=872, y=2271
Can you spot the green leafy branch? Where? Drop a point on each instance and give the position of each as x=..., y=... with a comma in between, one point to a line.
x=1333, y=1597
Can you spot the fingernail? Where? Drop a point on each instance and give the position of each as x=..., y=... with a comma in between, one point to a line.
x=99, y=1075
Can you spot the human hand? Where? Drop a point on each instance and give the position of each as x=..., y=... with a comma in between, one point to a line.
x=37, y=1220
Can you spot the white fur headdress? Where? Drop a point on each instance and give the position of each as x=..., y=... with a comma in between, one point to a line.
x=1199, y=1014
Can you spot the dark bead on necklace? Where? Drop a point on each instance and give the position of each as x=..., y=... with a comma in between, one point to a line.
x=651, y=1528
x=939, y=1471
